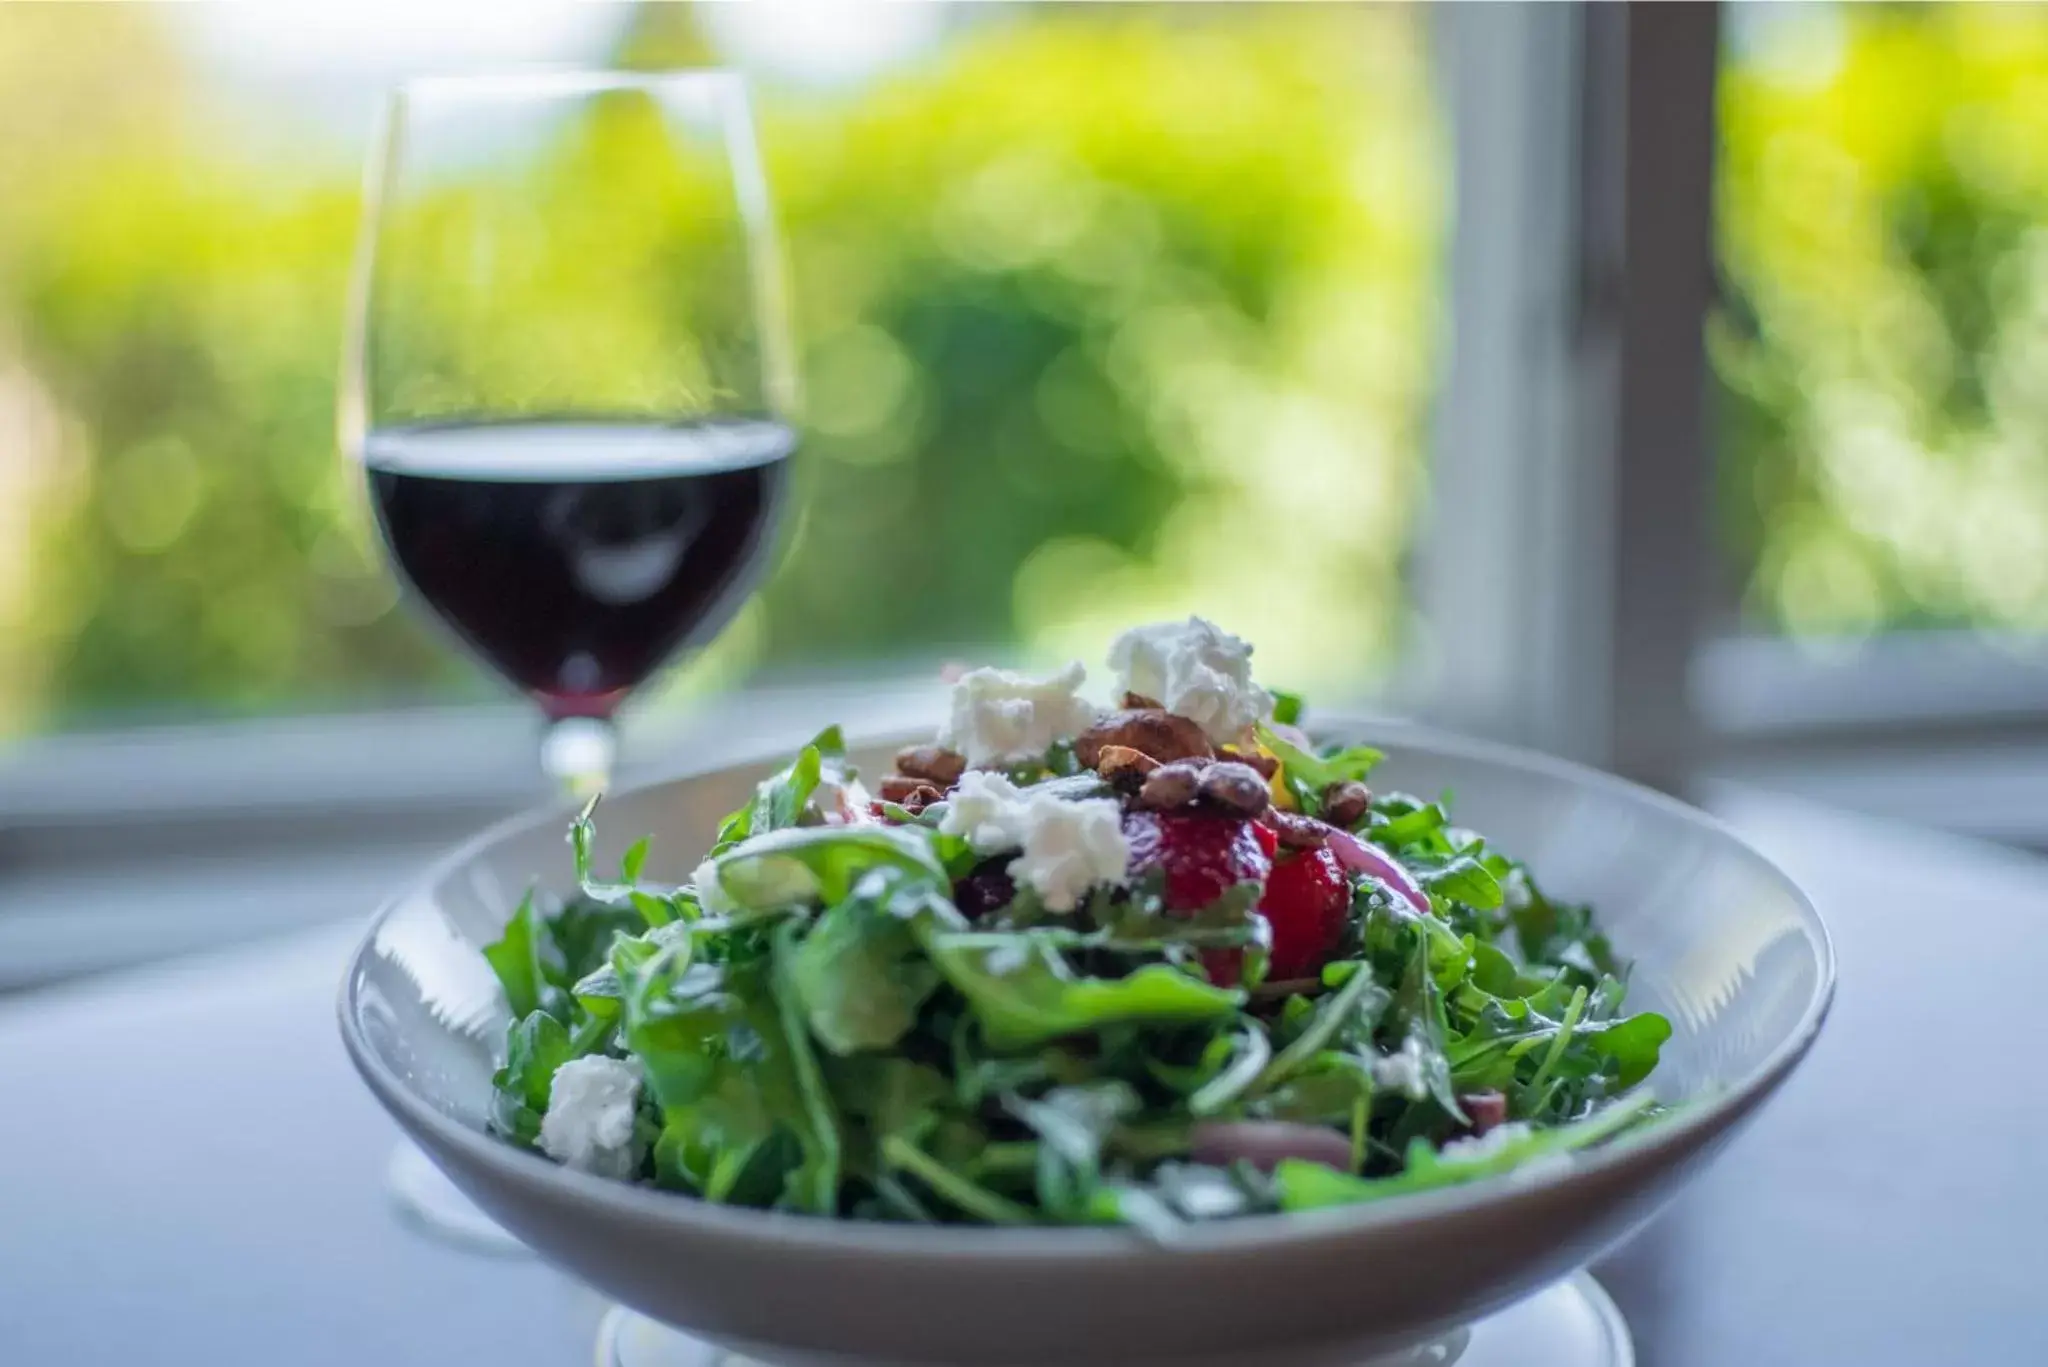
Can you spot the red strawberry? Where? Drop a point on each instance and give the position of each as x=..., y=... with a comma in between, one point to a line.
x=1204, y=856
x=1307, y=900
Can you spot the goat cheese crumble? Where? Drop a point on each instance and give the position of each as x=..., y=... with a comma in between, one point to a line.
x=1402, y=1072
x=1196, y=669
x=1067, y=848
x=1002, y=717
x=589, y=1121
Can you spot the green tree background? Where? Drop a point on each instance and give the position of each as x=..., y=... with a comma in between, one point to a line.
x=1103, y=311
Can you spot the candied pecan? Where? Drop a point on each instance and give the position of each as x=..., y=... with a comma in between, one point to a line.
x=1298, y=832
x=1170, y=786
x=934, y=763
x=1236, y=788
x=1265, y=764
x=1345, y=803
x=1487, y=1110
x=909, y=791
x=1162, y=735
x=1139, y=702
x=1123, y=766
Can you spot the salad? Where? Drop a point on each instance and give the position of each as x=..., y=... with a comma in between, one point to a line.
x=1069, y=964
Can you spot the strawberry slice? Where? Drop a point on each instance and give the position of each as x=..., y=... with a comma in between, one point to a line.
x=1203, y=856
x=1307, y=901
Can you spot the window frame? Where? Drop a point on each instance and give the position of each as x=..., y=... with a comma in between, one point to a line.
x=1576, y=386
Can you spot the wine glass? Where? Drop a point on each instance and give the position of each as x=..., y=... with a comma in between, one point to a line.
x=567, y=380
x=567, y=385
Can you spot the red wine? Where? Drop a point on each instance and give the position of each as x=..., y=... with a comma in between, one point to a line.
x=576, y=556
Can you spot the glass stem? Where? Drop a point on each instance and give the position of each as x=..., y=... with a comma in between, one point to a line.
x=577, y=753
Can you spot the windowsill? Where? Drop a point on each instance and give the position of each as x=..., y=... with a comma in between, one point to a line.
x=478, y=759
x=1994, y=791
x=1764, y=688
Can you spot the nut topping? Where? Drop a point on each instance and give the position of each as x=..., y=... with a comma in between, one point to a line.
x=909, y=791
x=1265, y=764
x=1298, y=832
x=1124, y=767
x=1345, y=803
x=1161, y=735
x=1236, y=788
x=934, y=763
x=1170, y=786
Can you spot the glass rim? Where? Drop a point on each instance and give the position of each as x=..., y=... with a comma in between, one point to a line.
x=563, y=81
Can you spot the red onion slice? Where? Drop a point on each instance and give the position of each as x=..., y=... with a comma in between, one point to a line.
x=1265, y=1143
x=1367, y=858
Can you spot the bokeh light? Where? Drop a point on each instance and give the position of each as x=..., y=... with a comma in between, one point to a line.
x=1883, y=352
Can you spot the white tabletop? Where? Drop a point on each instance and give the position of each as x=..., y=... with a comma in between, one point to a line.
x=194, y=1175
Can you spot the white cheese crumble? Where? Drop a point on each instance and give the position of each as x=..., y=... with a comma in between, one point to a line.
x=1070, y=847
x=1476, y=1148
x=988, y=809
x=1000, y=717
x=710, y=893
x=1066, y=848
x=1195, y=669
x=589, y=1124
x=1402, y=1072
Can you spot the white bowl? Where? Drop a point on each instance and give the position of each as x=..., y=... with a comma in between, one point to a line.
x=1724, y=945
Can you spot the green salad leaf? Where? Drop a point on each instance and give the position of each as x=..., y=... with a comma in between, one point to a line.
x=1022, y=991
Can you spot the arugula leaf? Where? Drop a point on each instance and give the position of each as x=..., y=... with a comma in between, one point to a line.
x=1286, y=707
x=538, y=1045
x=580, y=939
x=960, y=1191
x=1329, y=1090
x=1318, y=772
x=1022, y=991
x=807, y=864
x=779, y=800
x=859, y=974
x=1423, y=825
x=1420, y=1003
x=1465, y=880
x=515, y=957
x=1312, y=1186
x=745, y=1113
x=1249, y=1053
x=1558, y=932
x=1073, y=1125
x=656, y=906
x=1356, y=1007
x=891, y=1094
x=814, y=1185
x=600, y=992
x=1632, y=1045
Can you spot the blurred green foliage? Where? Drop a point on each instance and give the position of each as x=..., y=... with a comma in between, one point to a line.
x=1884, y=353
x=1101, y=311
